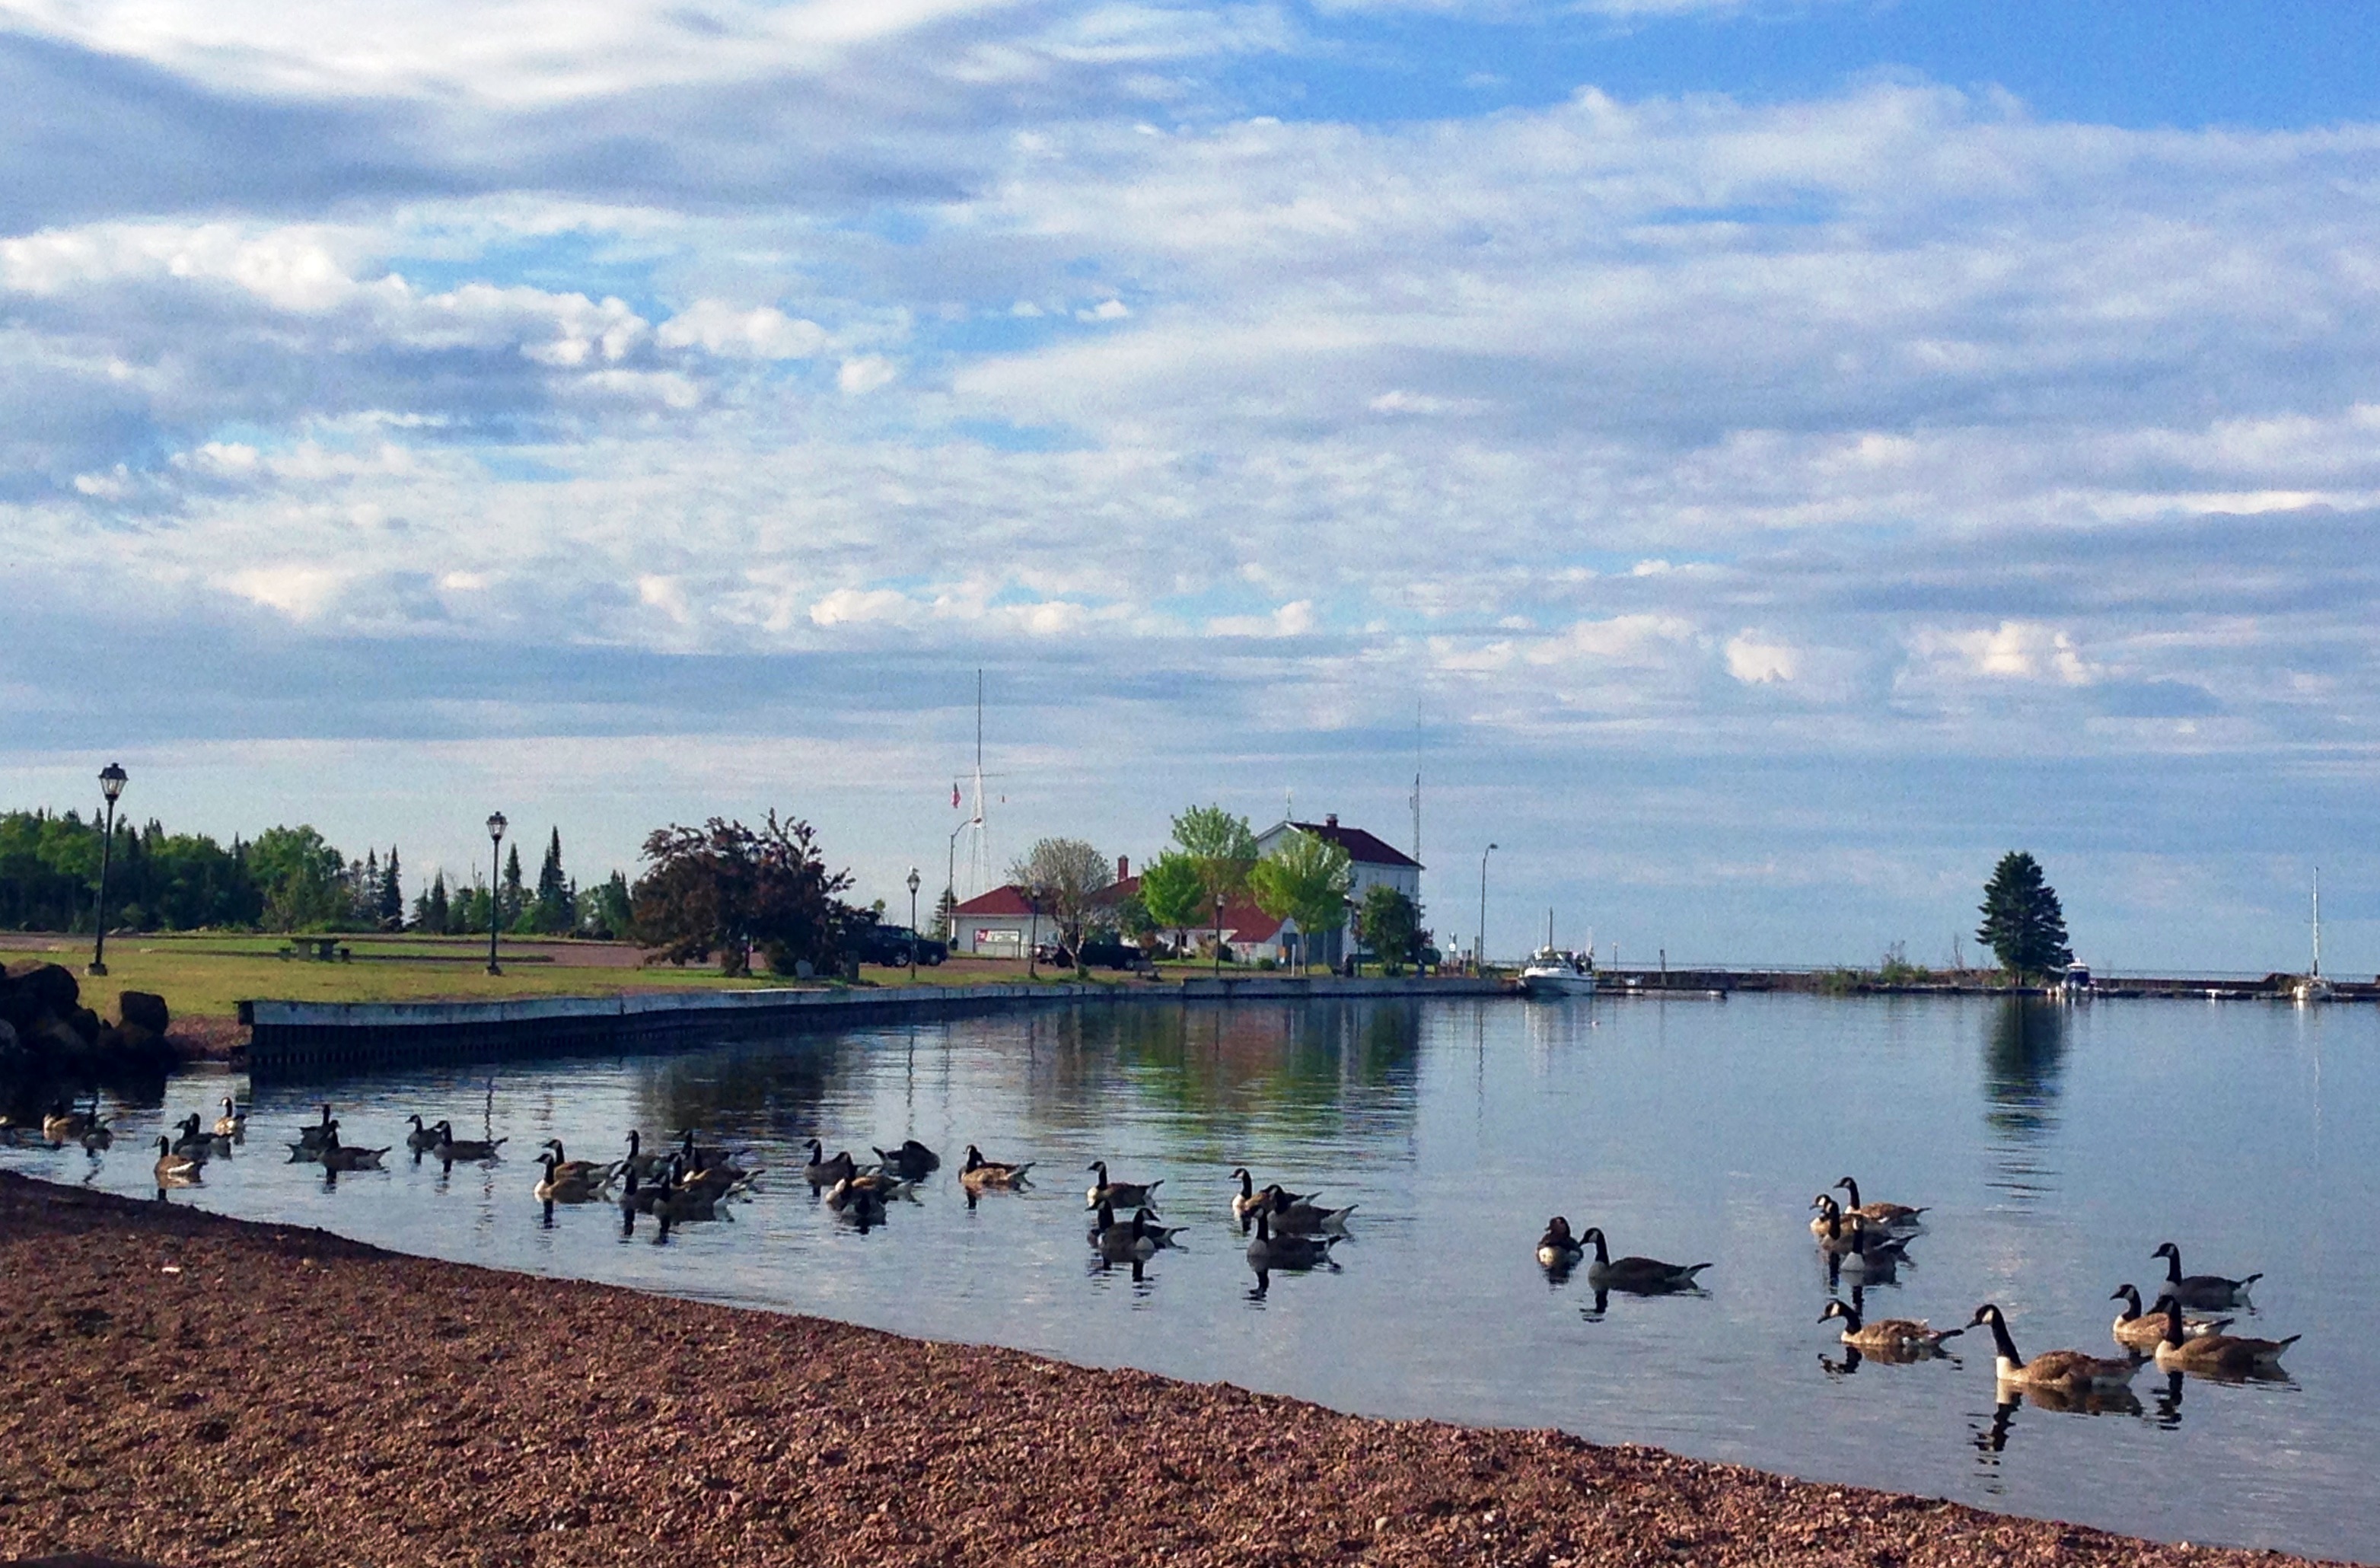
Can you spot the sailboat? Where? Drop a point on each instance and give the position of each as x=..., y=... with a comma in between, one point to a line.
x=2313, y=988
x=1552, y=971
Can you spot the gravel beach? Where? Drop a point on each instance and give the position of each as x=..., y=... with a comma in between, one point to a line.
x=188, y=1390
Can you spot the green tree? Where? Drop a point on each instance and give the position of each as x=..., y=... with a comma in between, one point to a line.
x=1061, y=876
x=554, y=910
x=302, y=877
x=604, y=913
x=431, y=915
x=1173, y=889
x=1391, y=926
x=728, y=889
x=1304, y=880
x=392, y=895
x=512, y=899
x=2023, y=925
x=1222, y=845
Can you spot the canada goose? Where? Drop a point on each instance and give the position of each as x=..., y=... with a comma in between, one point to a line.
x=2200, y=1290
x=451, y=1150
x=62, y=1125
x=173, y=1170
x=308, y=1149
x=233, y=1123
x=978, y=1174
x=336, y=1156
x=912, y=1161
x=2056, y=1371
x=825, y=1172
x=641, y=1163
x=847, y=1198
x=196, y=1144
x=1855, y=1248
x=421, y=1140
x=97, y=1137
x=1105, y=1221
x=317, y=1135
x=1888, y=1339
x=2214, y=1355
x=563, y=1185
x=596, y=1174
x=1123, y=1195
x=1268, y=1251
x=1558, y=1249
x=1295, y=1219
x=1123, y=1241
x=639, y=1198
x=1244, y=1206
x=1638, y=1276
x=1893, y=1216
x=2144, y=1331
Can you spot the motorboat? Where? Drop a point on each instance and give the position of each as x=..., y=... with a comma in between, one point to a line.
x=1554, y=971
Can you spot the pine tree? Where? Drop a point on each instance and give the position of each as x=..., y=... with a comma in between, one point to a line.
x=392, y=895
x=2023, y=924
x=554, y=911
x=435, y=914
x=511, y=898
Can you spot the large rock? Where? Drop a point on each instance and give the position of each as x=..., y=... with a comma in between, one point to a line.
x=144, y=1008
x=51, y=987
x=86, y=1023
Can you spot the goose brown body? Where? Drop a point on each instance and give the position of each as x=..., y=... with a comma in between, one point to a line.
x=2214, y=1355
x=2059, y=1371
x=1888, y=1338
x=2144, y=1331
x=1638, y=1276
x=980, y=1175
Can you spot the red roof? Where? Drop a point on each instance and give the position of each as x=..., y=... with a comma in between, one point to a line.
x=1008, y=900
x=1359, y=845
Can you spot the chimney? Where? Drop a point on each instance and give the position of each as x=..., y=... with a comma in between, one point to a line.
x=1123, y=867
x=1331, y=820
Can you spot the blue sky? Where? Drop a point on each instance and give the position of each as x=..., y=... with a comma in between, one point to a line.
x=1762, y=460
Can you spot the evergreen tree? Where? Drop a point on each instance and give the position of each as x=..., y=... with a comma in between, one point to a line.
x=392, y=895
x=554, y=911
x=2023, y=924
x=435, y=915
x=512, y=898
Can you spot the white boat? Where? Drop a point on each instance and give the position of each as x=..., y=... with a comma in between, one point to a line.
x=2315, y=988
x=1555, y=971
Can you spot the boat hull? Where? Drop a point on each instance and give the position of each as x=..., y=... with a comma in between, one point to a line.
x=1551, y=985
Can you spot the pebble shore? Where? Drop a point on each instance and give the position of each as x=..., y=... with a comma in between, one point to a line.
x=186, y=1388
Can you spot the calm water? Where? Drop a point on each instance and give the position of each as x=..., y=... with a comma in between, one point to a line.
x=2056, y=1148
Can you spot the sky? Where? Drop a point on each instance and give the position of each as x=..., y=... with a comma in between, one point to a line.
x=1756, y=462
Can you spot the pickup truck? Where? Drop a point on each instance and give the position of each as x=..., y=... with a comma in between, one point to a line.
x=890, y=946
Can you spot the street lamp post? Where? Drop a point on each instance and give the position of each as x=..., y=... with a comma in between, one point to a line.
x=1219, y=936
x=1479, y=945
x=913, y=924
x=951, y=883
x=495, y=885
x=111, y=785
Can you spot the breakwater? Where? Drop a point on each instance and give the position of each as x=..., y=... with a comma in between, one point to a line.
x=291, y=1038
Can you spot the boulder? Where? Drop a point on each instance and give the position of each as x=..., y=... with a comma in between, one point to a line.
x=134, y=1047
x=52, y=987
x=144, y=1008
x=86, y=1023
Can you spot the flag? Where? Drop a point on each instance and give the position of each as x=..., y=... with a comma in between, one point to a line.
x=954, y=794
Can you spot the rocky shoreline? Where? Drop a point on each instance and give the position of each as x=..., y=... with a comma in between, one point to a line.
x=187, y=1389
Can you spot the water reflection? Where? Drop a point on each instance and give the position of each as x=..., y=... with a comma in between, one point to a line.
x=2024, y=1062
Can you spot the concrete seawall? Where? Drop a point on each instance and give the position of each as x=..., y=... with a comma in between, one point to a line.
x=296, y=1037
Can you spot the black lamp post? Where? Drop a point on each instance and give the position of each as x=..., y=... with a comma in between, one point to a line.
x=1219, y=936
x=1479, y=947
x=495, y=885
x=913, y=938
x=111, y=785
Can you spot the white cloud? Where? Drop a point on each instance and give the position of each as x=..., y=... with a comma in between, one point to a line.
x=2025, y=651
x=1755, y=660
x=866, y=373
x=765, y=333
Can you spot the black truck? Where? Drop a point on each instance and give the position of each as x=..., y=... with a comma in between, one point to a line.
x=891, y=947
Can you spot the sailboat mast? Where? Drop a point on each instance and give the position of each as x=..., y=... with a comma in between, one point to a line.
x=2317, y=922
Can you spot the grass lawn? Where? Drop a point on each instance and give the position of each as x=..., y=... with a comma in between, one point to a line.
x=209, y=975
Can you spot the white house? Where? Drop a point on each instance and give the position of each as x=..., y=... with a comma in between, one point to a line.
x=1371, y=863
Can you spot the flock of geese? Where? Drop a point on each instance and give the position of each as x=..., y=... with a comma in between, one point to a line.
x=1866, y=1242
x=1863, y=1243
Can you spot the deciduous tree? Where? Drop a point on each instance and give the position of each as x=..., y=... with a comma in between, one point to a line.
x=1305, y=879
x=1391, y=926
x=1173, y=889
x=1061, y=876
x=728, y=889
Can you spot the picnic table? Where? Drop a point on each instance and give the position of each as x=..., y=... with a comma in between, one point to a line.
x=326, y=949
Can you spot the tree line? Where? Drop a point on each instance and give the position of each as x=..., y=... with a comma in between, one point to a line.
x=285, y=878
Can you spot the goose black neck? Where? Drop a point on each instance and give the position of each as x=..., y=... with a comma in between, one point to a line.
x=2173, y=1267
x=1850, y=1190
x=2000, y=1341
x=2172, y=1321
x=1602, y=1252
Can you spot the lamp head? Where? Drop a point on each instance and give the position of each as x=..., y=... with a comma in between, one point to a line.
x=495, y=825
x=914, y=881
x=111, y=782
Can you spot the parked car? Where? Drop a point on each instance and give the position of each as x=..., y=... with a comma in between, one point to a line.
x=891, y=947
x=1095, y=955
